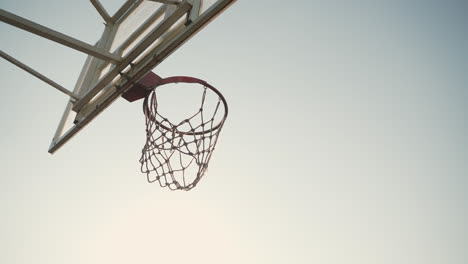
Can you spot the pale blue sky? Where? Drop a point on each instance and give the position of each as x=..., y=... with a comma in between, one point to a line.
x=346, y=142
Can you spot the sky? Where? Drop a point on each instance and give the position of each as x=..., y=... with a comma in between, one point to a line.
x=345, y=141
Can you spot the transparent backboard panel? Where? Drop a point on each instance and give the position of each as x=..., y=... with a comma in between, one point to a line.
x=134, y=20
x=143, y=35
x=142, y=13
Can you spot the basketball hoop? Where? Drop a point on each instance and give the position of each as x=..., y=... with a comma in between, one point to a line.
x=177, y=153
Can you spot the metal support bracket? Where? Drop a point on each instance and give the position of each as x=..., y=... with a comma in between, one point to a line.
x=38, y=75
x=58, y=37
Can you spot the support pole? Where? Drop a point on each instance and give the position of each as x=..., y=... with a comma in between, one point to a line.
x=170, y=2
x=58, y=37
x=126, y=7
x=38, y=75
x=102, y=11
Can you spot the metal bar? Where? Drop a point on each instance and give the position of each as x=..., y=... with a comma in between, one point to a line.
x=141, y=29
x=102, y=11
x=170, y=2
x=129, y=11
x=56, y=36
x=133, y=54
x=62, y=123
x=195, y=11
x=124, y=9
x=38, y=75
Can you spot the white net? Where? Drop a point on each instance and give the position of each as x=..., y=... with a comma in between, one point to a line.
x=177, y=152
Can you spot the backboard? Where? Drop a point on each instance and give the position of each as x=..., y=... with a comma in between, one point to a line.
x=137, y=38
